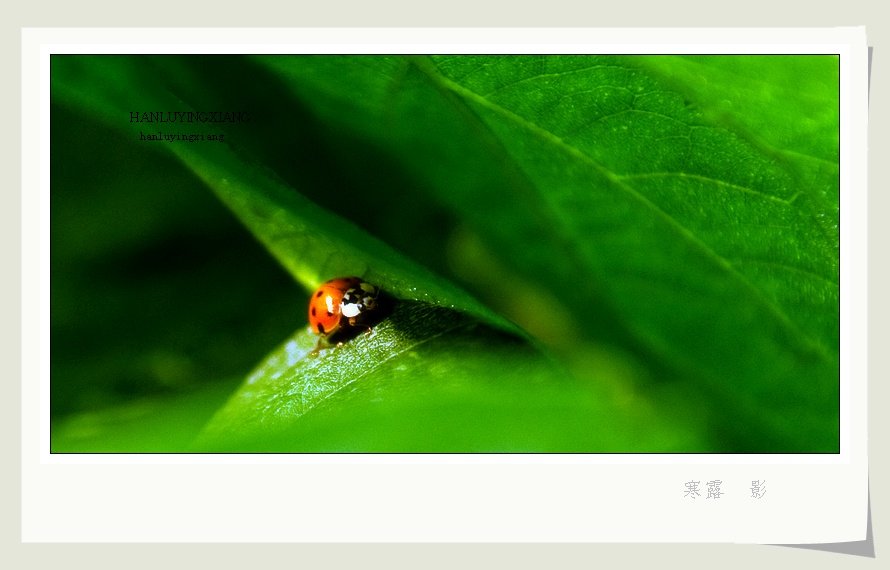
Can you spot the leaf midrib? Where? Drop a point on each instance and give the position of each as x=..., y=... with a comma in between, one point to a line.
x=617, y=180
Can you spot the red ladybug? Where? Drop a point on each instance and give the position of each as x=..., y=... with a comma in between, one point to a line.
x=340, y=304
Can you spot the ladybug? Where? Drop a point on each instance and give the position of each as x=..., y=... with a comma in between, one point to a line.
x=341, y=304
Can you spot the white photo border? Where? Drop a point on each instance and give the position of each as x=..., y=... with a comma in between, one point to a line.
x=446, y=482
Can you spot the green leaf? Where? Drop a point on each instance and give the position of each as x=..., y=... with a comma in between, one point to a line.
x=663, y=231
x=426, y=379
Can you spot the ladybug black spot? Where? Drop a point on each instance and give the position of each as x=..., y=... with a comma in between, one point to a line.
x=319, y=294
x=320, y=328
x=313, y=311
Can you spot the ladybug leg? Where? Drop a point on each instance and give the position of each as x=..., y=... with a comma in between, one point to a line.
x=317, y=348
x=353, y=323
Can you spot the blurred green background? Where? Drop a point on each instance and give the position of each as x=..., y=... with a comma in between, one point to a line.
x=663, y=231
x=161, y=300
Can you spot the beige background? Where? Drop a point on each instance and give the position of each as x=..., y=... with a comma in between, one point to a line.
x=676, y=14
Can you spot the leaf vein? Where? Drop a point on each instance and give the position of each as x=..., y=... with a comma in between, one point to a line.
x=617, y=180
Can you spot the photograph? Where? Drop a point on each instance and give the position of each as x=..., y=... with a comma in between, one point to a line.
x=444, y=254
